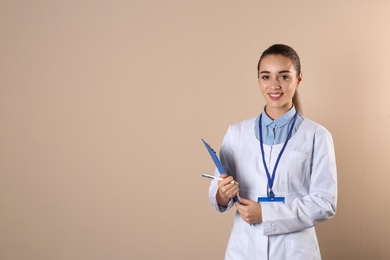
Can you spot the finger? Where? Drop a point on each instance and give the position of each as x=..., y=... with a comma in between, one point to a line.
x=242, y=200
x=228, y=190
x=246, y=202
x=228, y=179
x=231, y=193
x=236, y=191
x=227, y=183
x=225, y=187
x=240, y=204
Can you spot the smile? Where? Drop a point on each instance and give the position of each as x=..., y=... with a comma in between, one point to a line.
x=275, y=96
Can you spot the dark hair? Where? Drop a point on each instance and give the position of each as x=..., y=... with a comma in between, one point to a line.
x=286, y=51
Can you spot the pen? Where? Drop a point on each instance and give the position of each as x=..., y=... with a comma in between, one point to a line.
x=216, y=178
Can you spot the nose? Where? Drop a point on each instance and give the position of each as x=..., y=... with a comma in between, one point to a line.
x=275, y=84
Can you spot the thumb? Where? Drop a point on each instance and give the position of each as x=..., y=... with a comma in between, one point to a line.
x=244, y=201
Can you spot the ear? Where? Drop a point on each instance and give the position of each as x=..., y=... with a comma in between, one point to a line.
x=299, y=78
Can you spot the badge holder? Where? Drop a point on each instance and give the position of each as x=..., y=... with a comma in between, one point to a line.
x=270, y=197
x=266, y=199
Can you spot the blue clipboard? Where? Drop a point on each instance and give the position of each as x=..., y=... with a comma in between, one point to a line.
x=217, y=163
x=214, y=156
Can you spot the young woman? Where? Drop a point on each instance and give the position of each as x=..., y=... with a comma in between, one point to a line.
x=285, y=166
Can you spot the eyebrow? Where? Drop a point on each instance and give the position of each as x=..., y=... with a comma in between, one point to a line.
x=282, y=71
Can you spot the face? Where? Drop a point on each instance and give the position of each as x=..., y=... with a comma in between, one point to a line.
x=278, y=81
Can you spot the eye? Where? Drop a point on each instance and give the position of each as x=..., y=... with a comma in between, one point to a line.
x=285, y=77
x=264, y=77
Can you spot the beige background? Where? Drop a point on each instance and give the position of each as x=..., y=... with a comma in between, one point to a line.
x=103, y=105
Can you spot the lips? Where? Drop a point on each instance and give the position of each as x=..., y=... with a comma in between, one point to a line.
x=275, y=96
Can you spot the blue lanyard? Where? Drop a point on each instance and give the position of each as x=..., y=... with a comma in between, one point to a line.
x=271, y=179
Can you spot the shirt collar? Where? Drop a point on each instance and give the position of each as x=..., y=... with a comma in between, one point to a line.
x=281, y=121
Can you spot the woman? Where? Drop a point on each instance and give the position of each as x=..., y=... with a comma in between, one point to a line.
x=286, y=170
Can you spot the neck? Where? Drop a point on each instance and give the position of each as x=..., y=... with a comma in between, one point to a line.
x=275, y=113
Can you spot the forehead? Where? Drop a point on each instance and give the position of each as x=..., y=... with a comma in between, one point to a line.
x=276, y=63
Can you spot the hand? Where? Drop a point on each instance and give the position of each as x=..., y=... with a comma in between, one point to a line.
x=249, y=210
x=226, y=190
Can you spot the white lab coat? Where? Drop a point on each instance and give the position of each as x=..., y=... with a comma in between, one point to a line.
x=306, y=177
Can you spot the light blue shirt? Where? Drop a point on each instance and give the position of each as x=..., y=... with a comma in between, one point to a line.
x=276, y=131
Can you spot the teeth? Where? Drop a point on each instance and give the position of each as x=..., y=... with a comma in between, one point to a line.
x=275, y=95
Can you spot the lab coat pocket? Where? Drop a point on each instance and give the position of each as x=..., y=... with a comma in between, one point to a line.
x=239, y=240
x=296, y=163
x=301, y=251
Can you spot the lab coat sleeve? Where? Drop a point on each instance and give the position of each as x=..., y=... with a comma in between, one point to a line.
x=315, y=207
x=227, y=159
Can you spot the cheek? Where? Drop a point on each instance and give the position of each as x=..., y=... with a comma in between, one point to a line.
x=263, y=90
x=262, y=86
x=290, y=87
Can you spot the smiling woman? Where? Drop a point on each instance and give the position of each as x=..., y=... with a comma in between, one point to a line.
x=279, y=73
x=278, y=82
x=295, y=188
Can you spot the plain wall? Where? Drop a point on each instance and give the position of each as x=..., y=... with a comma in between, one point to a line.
x=103, y=105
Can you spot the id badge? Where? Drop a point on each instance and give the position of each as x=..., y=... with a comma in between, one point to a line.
x=267, y=199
